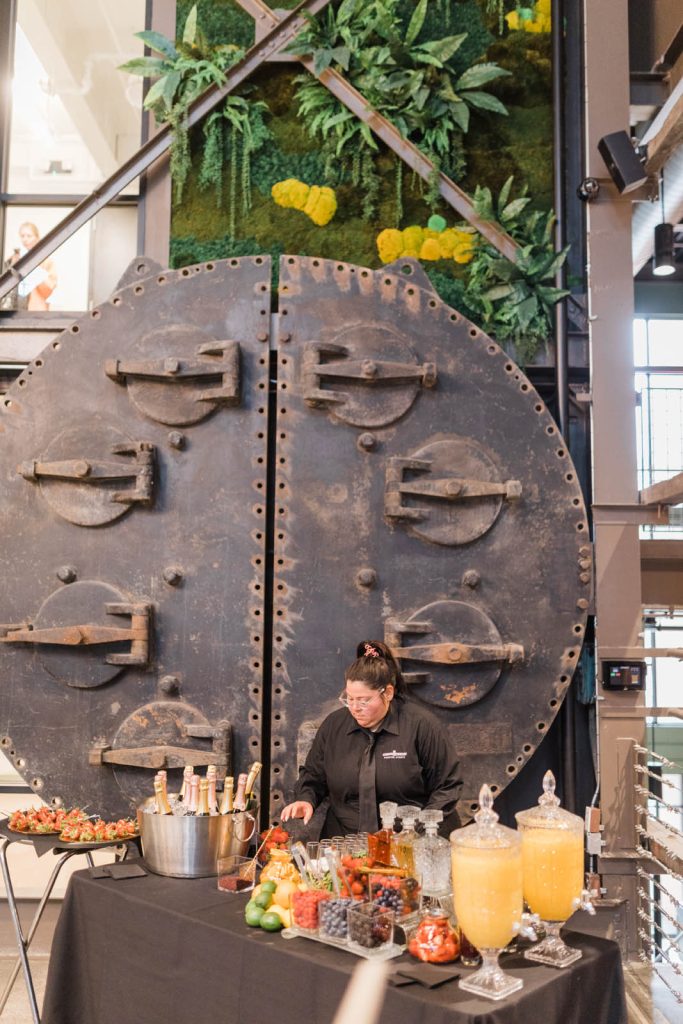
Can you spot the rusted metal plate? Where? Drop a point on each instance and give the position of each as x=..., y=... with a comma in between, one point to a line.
x=133, y=467
x=434, y=504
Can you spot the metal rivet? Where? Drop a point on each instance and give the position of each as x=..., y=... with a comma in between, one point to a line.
x=66, y=573
x=285, y=336
x=366, y=577
x=172, y=575
x=262, y=336
x=471, y=578
x=169, y=685
x=368, y=368
x=585, y=577
x=582, y=603
x=367, y=442
x=176, y=439
x=585, y=563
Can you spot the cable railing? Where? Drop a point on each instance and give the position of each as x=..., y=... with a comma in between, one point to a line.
x=659, y=820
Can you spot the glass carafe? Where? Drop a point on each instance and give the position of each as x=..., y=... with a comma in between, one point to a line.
x=432, y=855
x=379, y=843
x=402, y=846
x=487, y=892
x=552, y=861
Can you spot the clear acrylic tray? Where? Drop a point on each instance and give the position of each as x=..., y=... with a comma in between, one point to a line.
x=386, y=952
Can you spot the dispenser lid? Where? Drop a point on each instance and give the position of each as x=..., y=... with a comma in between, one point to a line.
x=549, y=814
x=486, y=833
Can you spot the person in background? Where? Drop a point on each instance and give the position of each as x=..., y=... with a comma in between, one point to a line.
x=35, y=289
x=379, y=745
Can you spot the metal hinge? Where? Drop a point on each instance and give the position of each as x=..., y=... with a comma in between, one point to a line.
x=87, y=634
x=448, y=489
x=169, y=755
x=222, y=362
x=368, y=372
x=87, y=471
x=446, y=653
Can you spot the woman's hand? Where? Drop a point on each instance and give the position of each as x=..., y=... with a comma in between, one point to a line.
x=299, y=809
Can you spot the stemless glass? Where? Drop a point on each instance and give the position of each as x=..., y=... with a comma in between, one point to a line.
x=487, y=892
x=552, y=860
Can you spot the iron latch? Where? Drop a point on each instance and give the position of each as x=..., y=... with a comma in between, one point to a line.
x=169, y=755
x=87, y=634
x=448, y=652
x=220, y=365
x=369, y=372
x=448, y=489
x=140, y=470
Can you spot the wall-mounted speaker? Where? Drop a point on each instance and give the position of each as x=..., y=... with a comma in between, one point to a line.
x=625, y=168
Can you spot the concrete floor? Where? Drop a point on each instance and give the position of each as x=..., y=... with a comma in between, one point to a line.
x=649, y=1000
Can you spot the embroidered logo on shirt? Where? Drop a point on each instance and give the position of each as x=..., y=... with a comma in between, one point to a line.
x=394, y=755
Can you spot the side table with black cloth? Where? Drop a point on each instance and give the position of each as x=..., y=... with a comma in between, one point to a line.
x=156, y=950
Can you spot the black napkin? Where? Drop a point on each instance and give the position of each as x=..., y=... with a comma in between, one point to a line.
x=122, y=870
x=429, y=975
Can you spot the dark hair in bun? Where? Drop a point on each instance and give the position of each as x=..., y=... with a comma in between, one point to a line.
x=376, y=666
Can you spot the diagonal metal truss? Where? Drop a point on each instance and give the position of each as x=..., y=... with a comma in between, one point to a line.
x=279, y=33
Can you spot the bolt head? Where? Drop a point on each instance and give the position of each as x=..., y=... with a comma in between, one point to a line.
x=366, y=577
x=66, y=573
x=170, y=685
x=172, y=575
x=176, y=439
x=367, y=442
x=471, y=578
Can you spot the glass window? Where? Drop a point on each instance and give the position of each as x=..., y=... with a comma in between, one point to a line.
x=75, y=117
x=658, y=354
x=82, y=272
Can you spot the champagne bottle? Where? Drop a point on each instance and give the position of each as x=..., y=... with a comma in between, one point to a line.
x=160, y=798
x=211, y=779
x=226, y=802
x=203, y=805
x=188, y=772
x=240, y=795
x=192, y=801
x=251, y=780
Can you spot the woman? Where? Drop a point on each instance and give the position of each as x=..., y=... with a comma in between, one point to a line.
x=378, y=746
x=38, y=286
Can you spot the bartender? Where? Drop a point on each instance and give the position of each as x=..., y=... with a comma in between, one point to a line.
x=378, y=746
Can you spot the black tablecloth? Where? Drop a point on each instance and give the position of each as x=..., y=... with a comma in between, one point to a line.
x=155, y=950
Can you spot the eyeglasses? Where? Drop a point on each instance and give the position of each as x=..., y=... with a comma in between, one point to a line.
x=359, y=702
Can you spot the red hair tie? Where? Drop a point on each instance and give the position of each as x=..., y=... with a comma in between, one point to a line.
x=371, y=652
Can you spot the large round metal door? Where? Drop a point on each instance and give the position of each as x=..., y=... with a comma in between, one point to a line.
x=417, y=491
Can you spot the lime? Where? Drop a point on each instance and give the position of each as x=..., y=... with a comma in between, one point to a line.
x=269, y=885
x=253, y=914
x=263, y=900
x=271, y=922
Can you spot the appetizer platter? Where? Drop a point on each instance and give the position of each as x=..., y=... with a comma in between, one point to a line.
x=74, y=827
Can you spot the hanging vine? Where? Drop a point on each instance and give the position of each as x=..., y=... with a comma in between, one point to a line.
x=183, y=71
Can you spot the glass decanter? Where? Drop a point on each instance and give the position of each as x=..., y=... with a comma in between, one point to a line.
x=552, y=861
x=402, y=845
x=379, y=843
x=487, y=892
x=432, y=855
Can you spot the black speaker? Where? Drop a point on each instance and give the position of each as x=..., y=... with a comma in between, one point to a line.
x=626, y=170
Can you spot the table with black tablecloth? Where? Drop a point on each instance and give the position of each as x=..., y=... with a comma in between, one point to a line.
x=155, y=950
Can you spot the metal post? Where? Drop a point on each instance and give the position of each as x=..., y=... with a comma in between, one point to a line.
x=21, y=942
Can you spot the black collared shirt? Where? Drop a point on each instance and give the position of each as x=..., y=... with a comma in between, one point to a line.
x=415, y=764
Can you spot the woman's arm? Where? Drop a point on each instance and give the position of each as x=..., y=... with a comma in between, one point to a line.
x=441, y=767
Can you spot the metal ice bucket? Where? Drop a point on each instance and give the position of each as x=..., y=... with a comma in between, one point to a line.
x=184, y=846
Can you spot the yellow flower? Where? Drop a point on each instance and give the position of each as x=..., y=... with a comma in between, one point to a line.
x=317, y=201
x=389, y=245
x=430, y=250
x=290, y=193
x=321, y=205
x=413, y=237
